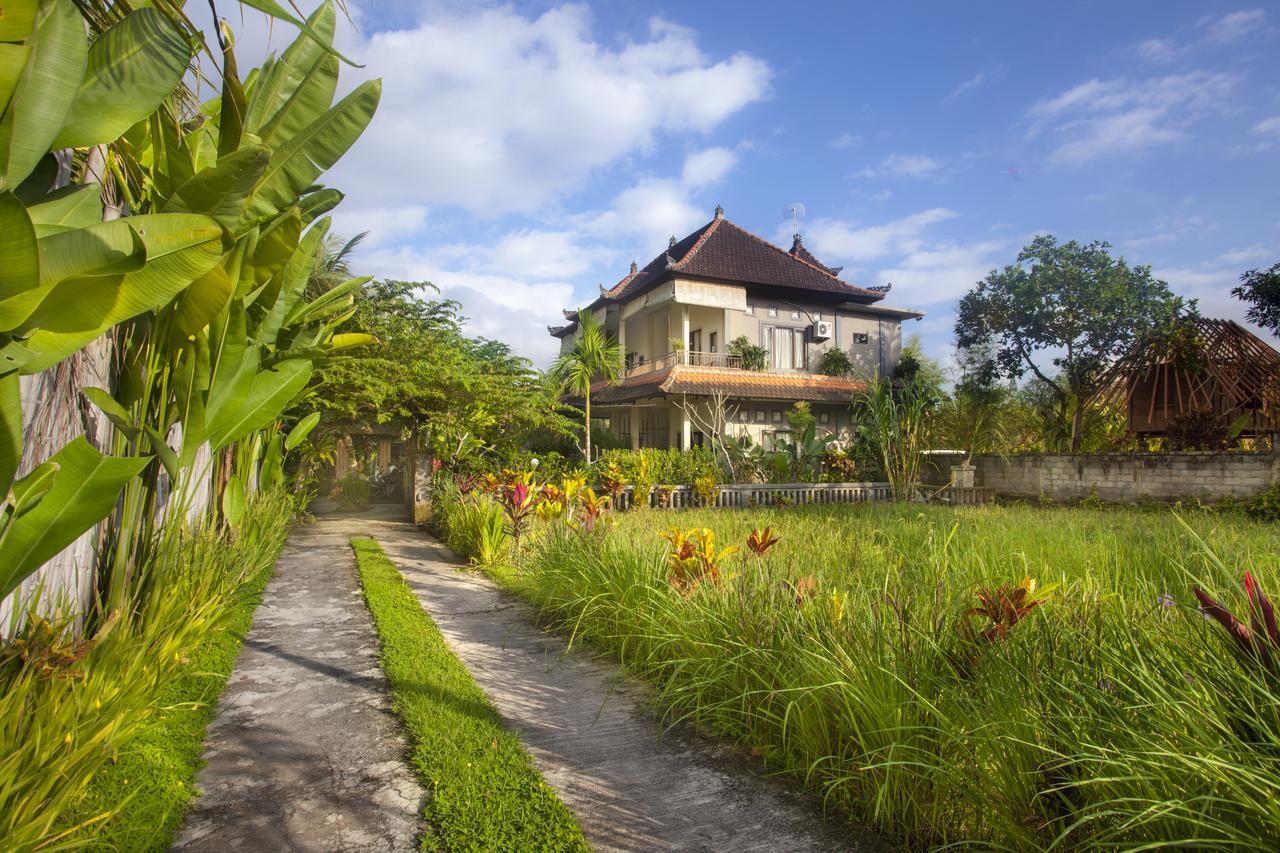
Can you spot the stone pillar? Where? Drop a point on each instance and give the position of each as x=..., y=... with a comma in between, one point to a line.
x=686, y=428
x=341, y=457
x=622, y=340
x=384, y=452
x=635, y=427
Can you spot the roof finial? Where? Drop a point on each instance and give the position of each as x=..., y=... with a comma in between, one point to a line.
x=633, y=267
x=603, y=291
x=719, y=212
x=671, y=244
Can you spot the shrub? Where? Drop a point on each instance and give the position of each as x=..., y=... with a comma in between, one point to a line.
x=753, y=357
x=1198, y=429
x=839, y=466
x=835, y=362
x=352, y=492
x=706, y=489
x=666, y=465
x=1266, y=506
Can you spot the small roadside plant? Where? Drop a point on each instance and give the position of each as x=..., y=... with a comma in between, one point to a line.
x=1000, y=608
x=1266, y=506
x=1257, y=643
x=760, y=541
x=612, y=482
x=706, y=489
x=693, y=559
x=518, y=502
x=591, y=508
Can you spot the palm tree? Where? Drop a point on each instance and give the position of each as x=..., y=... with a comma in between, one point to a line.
x=594, y=354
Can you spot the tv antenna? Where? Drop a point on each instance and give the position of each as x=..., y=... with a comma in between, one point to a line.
x=796, y=211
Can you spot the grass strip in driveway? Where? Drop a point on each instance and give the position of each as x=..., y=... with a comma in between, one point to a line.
x=483, y=791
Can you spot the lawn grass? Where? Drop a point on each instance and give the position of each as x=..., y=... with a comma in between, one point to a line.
x=483, y=791
x=1113, y=715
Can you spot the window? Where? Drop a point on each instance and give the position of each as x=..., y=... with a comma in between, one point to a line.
x=777, y=416
x=860, y=337
x=786, y=346
x=711, y=342
x=759, y=416
x=751, y=310
x=695, y=340
x=795, y=315
x=773, y=310
x=824, y=417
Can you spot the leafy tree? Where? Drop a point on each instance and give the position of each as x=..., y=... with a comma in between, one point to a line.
x=594, y=354
x=1073, y=305
x=1261, y=289
x=474, y=394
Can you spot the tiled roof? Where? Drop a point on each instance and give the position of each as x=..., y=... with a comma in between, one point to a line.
x=722, y=250
x=799, y=251
x=686, y=379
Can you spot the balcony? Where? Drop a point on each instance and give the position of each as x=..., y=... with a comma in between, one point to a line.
x=695, y=359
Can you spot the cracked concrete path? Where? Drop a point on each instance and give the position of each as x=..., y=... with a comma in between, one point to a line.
x=632, y=785
x=305, y=753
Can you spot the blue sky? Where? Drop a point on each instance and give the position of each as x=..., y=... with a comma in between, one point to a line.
x=526, y=152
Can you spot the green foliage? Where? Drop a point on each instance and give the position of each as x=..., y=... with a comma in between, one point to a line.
x=1261, y=289
x=473, y=525
x=665, y=466
x=352, y=492
x=895, y=420
x=835, y=362
x=1073, y=304
x=108, y=757
x=1266, y=506
x=1198, y=429
x=800, y=418
x=483, y=791
x=844, y=665
x=753, y=357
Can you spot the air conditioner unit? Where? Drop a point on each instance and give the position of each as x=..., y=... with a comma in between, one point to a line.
x=821, y=330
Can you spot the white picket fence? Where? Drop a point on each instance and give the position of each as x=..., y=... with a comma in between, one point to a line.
x=744, y=495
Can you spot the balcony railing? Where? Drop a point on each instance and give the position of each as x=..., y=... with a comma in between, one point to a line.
x=695, y=359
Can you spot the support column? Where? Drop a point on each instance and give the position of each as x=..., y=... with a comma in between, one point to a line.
x=673, y=426
x=384, y=452
x=622, y=340
x=341, y=457
x=684, y=333
x=635, y=427
x=686, y=428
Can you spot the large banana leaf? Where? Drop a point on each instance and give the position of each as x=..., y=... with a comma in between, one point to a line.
x=221, y=192
x=301, y=159
x=330, y=302
x=316, y=204
x=84, y=492
x=44, y=93
x=13, y=58
x=293, y=282
x=19, y=257
x=301, y=430
x=275, y=10
x=18, y=19
x=180, y=248
x=269, y=394
x=78, y=206
x=202, y=301
x=10, y=428
x=275, y=246
x=132, y=68
x=297, y=88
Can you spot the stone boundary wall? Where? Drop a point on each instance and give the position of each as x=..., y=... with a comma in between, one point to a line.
x=1130, y=476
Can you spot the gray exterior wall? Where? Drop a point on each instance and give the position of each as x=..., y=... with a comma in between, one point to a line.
x=1130, y=477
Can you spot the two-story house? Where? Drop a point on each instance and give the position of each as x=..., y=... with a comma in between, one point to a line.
x=675, y=319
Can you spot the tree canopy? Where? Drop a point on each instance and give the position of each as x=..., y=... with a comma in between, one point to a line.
x=425, y=371
x=1261, y=289
x=1064, y=313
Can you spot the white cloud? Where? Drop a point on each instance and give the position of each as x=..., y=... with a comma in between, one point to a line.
x=1234, y=26
x=383, y=224
x=846, y=140
x=902, y=166
x=497, y=112
x=943, y=272
x=836, y=240
x=708, y=167
x=1248, y=254
x=510, y=308
x=1160, y=50
x=1106, y=117
x=1268, y=126
x=975, y=81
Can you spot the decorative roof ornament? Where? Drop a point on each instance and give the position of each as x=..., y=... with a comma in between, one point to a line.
x=671, y=244
x=719, y=212
x=634, y=268
x=603, y=289
x=881, y=288
x=671, y=262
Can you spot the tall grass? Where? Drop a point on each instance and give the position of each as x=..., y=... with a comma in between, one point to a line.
x=101, y=751
x=1113, y=715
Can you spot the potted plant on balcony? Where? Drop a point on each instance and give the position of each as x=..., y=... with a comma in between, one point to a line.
x=752, y=357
